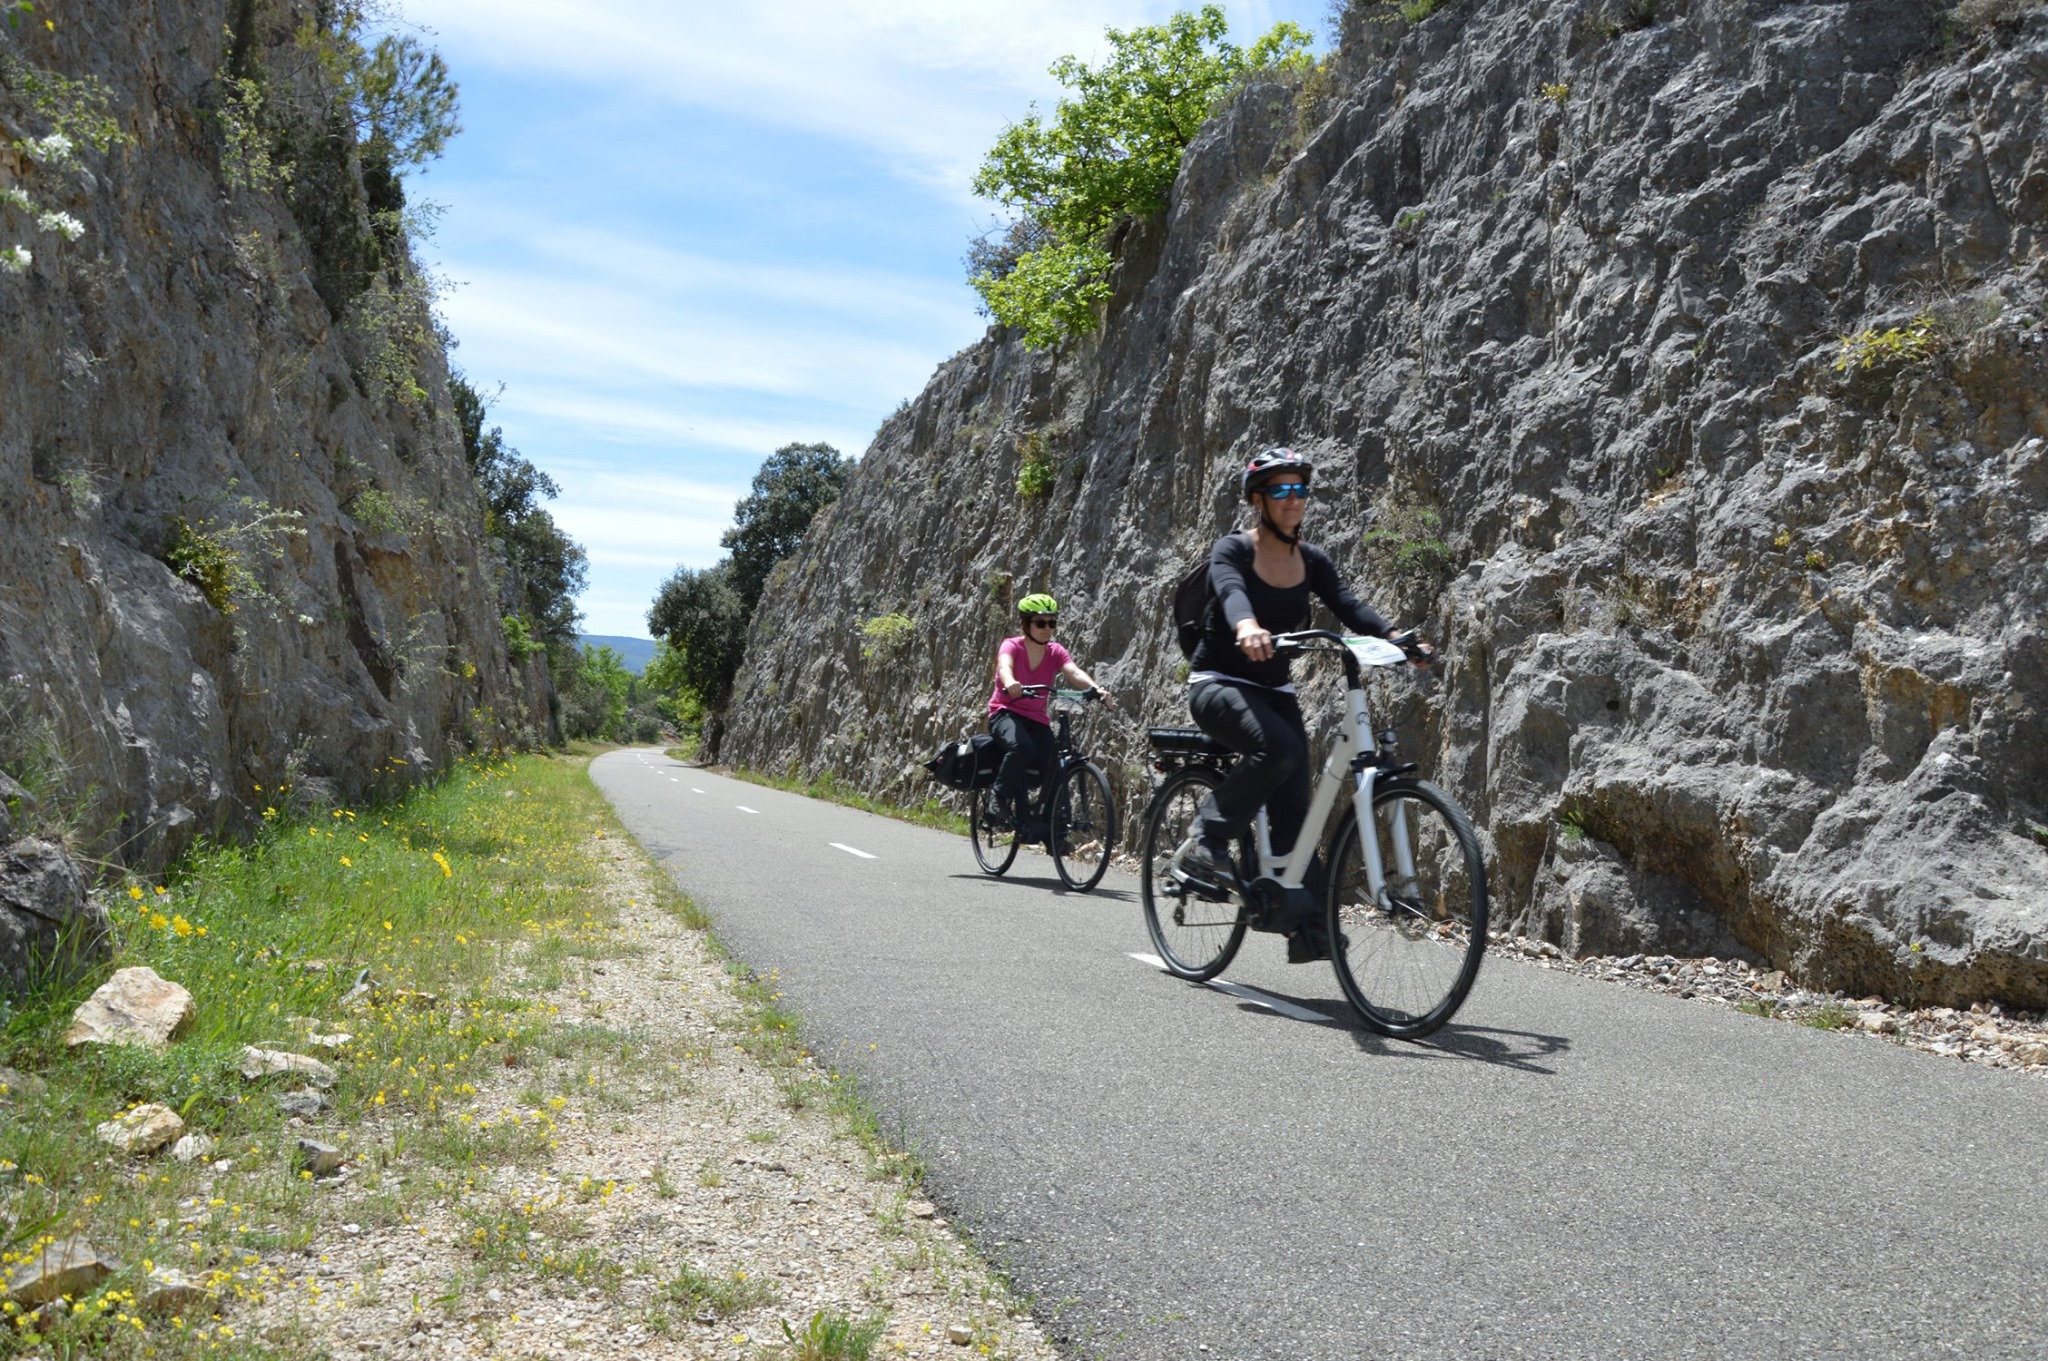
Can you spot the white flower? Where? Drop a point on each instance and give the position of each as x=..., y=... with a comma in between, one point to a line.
x=16, y=259
x=55, y=147
x=64, y=224
x=10, y=197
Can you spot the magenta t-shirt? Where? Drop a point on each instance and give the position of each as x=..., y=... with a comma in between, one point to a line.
x=1027, y=706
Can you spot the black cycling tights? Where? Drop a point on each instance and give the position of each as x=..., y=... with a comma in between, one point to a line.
x=1027, y=746
x=1265, y=728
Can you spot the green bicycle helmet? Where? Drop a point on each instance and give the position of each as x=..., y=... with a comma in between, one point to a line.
x=1038, y=602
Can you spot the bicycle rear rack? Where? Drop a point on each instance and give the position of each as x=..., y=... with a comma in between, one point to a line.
x=1173, y=748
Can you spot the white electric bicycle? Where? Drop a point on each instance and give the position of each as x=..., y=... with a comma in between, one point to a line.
x=1404, y=893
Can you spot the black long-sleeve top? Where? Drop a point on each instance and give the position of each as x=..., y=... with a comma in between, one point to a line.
x=1238, y=594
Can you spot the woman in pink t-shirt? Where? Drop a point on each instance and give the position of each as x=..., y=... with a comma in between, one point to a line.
x=1019, y=722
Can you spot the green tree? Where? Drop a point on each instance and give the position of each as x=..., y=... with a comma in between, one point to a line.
x=793, y=485
x=1110, y=153
x=598, y=692
x=403, y=104
x=666, y=678
x=547, y=567
x=701, y=616
x=404, y=101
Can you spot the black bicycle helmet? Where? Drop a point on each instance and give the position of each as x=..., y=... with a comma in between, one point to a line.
x=1268, y=464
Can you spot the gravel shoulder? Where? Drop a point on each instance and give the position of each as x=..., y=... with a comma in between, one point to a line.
x=1990, y=1035
x=664, y=1173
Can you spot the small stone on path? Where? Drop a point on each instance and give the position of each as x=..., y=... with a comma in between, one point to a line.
x=322, y=1160
x=141, y=1131
x=303, y=1102
x=135, y=1006
x=171, y=1293
x=69, y=1266
x=262, y=1063
x=193, y=1147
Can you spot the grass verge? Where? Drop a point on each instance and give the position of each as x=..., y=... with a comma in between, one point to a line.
x=422, y=941
x=416, y=902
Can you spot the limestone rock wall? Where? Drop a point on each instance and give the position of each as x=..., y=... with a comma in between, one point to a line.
x=1743, y=650
x=177, y=363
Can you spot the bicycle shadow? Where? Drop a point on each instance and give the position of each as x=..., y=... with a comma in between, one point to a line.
x=1518, y=1050
x=1050, y=883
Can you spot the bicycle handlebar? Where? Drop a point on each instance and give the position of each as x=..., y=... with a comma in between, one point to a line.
x=1323, y=640
x=1060, y=692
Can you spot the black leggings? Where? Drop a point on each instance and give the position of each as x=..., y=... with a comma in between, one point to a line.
x=1027, y=746
x=1265, y=728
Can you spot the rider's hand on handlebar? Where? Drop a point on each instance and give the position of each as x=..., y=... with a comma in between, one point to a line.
x=1254, y=641
x=1410, y=642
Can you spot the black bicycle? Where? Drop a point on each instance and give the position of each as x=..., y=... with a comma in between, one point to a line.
x=1072, y=808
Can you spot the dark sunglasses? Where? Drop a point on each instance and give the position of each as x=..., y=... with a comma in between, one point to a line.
x=1283, y=491
x=1050, y=621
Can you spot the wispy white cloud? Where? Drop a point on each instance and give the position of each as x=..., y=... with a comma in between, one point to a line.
x=698, y=431
x=924, y=83
x=689, y=233
x=578, y=350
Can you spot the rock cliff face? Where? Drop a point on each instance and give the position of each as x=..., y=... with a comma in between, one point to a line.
x=239, y=543
x=1742, y=628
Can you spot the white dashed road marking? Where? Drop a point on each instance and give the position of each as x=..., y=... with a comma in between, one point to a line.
x=840, y=846
x=744, y=809
x=1278, y=1005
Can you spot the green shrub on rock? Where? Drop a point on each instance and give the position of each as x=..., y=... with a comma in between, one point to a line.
x=1109, y=154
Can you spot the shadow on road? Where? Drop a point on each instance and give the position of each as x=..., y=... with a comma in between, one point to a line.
x=1049, y=884
x=1521, y=1050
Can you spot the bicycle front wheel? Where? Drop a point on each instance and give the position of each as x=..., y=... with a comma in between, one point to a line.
x=993, y=849
x=1406, y=958
x=1196, y=937
x=1082, y=831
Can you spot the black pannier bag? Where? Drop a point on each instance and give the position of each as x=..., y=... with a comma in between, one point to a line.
x=969, y=763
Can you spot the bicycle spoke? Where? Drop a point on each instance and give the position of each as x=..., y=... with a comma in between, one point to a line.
x=1407, y=960
x=1196, y=937
x=1082, y=828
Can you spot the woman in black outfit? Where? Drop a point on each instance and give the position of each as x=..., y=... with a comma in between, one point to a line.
x=1239, y=691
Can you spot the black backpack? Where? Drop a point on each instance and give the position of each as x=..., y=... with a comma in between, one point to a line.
x=969, y=763
x=1191, y=599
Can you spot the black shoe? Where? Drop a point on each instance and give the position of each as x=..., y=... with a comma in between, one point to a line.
x=1210, y=861
x=1306, y=946
x=1031, y=831
x=999, y=820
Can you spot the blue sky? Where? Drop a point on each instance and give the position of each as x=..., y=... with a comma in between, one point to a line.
x=682, y=235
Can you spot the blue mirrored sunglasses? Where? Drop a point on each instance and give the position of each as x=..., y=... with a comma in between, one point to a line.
x=1282, y=491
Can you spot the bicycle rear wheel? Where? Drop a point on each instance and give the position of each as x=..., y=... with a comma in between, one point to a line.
x=1196, y=938
x=994, y=849
x=1082, y=830
x=1408, y=961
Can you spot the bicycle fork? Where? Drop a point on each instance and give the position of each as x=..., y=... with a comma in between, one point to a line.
x=1369, y=841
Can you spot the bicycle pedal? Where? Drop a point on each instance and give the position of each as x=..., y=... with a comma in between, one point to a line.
x=1200, y=888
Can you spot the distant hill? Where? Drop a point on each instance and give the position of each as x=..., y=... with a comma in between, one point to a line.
x=634, y=652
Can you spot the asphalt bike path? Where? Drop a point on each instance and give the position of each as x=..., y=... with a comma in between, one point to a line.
x=1569, y=1169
